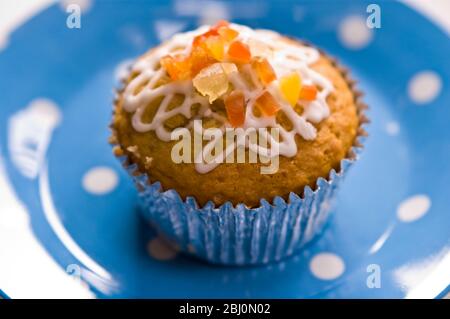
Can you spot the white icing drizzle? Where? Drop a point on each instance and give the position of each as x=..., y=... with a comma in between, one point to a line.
x=284, y=58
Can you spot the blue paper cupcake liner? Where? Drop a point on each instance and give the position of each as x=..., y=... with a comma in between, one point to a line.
x=238, y=235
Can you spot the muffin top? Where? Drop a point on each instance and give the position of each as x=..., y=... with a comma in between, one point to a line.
x=227, y=113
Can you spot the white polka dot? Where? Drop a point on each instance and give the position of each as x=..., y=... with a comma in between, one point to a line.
x=133, y=35
x=100, y=180
x=392, y=128
x=46, y=110
x=327, y=266
x=424, y=87
x=213, y=11
x=159, y=249
x=164, y=29
x=413, y=208
x=122, y=70
x=354, y=33
x=84, y=5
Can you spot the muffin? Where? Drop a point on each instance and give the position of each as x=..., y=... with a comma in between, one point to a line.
x=237, y=140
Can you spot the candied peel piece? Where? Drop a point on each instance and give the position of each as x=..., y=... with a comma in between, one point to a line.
x=199, y=39
x=207, y=49
x=239, y=52
x=235, y=107
x=215, y=47
x=212, y=81
x=267, y=104
x=227, y=34
x=177, y=67
x=308, y=92
x=199, y=59
x=220, y=29
x=290, y=86
x=219, y=24
x=264, y=70
x=229, y=67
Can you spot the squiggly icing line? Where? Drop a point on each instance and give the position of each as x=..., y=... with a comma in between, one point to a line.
x=284, y=58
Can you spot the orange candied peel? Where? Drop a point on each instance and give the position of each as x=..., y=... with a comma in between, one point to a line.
x=215, y=47
x=219, y=24
x=308, y=92
x=264, y=70
x=199, y=39
x=235, y=107
x=227, y=34
x=177, y=67
x=220, y=29
x=239, y=52
x=267, y=104
x=199, y=59
x=207, y=49
x=290, y=87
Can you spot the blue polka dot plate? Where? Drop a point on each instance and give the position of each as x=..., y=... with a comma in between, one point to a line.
x=69, y=225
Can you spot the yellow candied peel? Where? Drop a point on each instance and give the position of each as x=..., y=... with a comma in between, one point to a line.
x=212, y=81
